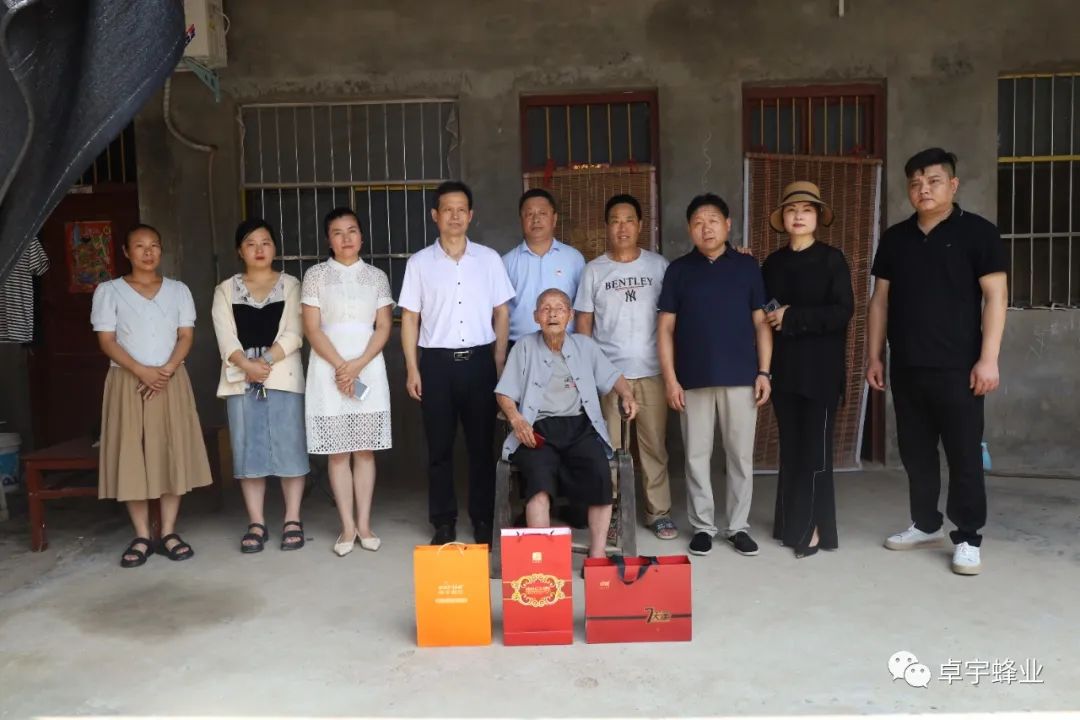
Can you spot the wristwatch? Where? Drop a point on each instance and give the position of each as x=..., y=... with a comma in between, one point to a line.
x=267, y=358
x=765, y=374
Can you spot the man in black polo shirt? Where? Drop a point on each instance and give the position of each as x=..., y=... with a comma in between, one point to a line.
x=715, y=349
x=941, y=292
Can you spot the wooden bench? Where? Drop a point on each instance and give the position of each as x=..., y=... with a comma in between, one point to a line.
x=80, y=455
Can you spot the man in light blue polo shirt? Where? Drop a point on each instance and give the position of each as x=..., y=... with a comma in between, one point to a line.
x=539, y=262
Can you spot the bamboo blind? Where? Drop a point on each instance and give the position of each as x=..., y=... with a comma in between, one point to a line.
x=852, y=188
x=581, y=192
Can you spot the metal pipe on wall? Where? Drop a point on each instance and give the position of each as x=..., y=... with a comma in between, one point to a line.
x=209, y=150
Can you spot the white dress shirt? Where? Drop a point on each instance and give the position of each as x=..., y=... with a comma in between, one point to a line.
x=455, y=298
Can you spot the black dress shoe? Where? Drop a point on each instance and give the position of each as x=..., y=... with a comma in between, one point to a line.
x=444, y=534
x=482, y=533
x=743, y=543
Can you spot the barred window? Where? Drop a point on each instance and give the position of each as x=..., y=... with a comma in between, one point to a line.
x=584, y=148
x=382, y=159
x=1039, y=187
x=818, y=120
x=608, y=129
x=115, y=165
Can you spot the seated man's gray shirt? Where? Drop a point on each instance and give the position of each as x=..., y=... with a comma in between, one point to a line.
x=562, y=398
x=528, y=372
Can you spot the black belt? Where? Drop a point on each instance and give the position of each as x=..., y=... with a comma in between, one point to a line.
x=458, y=354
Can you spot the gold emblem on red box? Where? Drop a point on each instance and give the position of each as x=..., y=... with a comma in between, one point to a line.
x=652, y=615
x=537, y=590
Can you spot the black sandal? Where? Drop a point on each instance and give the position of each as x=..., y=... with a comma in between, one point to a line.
x=175, y=552
x=140, y=556
x=287, y=535
x=260, y=540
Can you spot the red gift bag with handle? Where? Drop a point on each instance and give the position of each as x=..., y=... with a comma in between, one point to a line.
x=538, y=602
x=638, y=599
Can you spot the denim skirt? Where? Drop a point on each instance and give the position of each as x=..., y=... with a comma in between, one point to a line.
x=267, y=434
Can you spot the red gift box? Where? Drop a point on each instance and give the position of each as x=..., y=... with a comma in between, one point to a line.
x=638, y=599
x=538, y=603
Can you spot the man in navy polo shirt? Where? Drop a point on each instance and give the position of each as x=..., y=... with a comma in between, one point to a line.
x=715, y=351
x=941, y=293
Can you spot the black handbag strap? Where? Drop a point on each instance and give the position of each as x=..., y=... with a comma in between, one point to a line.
x=620, y=563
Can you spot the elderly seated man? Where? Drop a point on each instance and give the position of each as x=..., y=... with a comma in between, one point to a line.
x=550, y=393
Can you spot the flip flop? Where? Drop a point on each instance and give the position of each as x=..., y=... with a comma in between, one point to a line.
x=665, y=529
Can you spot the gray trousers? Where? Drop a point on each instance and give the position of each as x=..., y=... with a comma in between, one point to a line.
x=735, y=409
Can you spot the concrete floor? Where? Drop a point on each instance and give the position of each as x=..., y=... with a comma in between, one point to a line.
x=309, y=634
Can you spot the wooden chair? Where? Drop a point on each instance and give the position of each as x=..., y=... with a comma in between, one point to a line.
x=624, y=511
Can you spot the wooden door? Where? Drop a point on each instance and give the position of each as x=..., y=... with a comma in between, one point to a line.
x=67, y=369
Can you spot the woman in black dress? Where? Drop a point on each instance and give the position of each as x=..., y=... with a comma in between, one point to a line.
x=812, y=284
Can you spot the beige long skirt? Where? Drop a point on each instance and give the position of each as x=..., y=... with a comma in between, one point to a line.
x=150, y=448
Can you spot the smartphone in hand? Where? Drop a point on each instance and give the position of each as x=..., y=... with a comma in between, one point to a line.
x=361, y=391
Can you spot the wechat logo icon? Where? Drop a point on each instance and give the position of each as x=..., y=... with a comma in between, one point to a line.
x=903, y=665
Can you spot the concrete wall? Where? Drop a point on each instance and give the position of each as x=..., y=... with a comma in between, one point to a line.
x=1033, y=421
x=939, y=62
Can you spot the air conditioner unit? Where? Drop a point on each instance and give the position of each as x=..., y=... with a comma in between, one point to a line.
x=205, y=24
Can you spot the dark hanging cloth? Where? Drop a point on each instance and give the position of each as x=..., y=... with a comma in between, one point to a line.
x=72, y=76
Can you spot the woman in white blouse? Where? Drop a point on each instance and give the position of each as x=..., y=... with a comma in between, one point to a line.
x=259, y=334
x=151, y=441
x=347, y=318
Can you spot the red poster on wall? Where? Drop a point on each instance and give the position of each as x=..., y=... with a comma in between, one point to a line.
x=89, y=250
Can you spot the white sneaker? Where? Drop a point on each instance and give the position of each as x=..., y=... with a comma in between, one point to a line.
x=965, y=560
x=913, y=538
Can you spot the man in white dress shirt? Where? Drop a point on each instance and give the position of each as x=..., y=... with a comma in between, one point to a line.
x=454, y=309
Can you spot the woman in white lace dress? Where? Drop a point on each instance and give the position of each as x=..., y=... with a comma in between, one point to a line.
x=347, y=318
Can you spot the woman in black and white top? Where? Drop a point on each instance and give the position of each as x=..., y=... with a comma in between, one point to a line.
x=259, y=333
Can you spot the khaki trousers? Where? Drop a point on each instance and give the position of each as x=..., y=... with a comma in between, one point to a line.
x=651, y=431
x=735, y=409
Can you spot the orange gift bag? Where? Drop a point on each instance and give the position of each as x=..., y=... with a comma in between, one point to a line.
x=453, y=595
